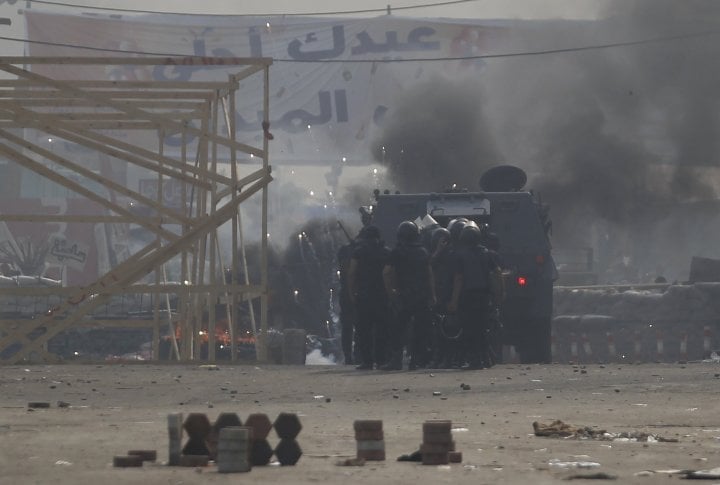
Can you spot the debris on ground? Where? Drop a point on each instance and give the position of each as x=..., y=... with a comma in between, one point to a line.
x=145, y=455
x=351, y=462
x=38, y=405
x=714, y=357
x=127, y=461
x=414, y=456
x=591, y=476
x=712, y=474
x=559, y=429
x=572, y=464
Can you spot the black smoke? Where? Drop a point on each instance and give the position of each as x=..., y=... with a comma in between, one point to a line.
x=621, y=142
x=436, y=137
x=302, y=277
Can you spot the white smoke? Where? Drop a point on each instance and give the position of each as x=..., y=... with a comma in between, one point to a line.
x=317, y=358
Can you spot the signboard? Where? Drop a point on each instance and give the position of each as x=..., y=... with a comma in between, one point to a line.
x=331, y=85
x=68, y=253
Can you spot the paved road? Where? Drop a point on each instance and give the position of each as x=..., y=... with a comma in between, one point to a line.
x=114, y=408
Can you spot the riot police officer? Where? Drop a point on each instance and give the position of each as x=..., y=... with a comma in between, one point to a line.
x=446, y=331
x=409, y=284
x=367, y=293
x=455, y=227
x=348, y=314
x=471, y=298
x=495, y=328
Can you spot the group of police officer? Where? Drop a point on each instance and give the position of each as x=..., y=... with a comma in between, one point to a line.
x=435, y=295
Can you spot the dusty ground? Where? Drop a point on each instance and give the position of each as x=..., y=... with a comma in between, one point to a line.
x=114, y=408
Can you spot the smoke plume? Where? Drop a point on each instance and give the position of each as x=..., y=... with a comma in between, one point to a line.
x=621, y=141
x=437, y=137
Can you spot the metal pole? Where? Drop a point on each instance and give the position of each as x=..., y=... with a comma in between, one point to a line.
x=262, y=349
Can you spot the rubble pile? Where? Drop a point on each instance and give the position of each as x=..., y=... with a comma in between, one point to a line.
x=560, y=429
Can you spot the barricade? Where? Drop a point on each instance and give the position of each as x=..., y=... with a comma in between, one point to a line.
x=588, y=339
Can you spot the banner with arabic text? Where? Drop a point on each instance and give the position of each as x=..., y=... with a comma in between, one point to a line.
x=330, y=85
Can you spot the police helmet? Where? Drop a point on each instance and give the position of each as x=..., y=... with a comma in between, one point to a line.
x=369, y=232
x=426, y=235
x=455, y=227
x=408, y=232
x=438, y=235
x=470, y=236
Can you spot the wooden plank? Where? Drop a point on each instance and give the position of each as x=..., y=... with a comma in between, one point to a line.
x=90, y=125
x=112, y=323
x=66, y=218
x=99, y=323
x=205, y=85
x=247, y=72
x=106, y=95
x=240, y=184
x=249, y=290
x=18, y=291
x=81, y=103
x=118, y=116
x=133, y=289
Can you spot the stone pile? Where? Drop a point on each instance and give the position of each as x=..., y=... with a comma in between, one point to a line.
x=232, y=446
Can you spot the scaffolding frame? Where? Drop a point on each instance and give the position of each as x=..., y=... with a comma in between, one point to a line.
x=78, y=110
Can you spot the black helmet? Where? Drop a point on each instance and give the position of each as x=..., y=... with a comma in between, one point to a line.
x=438, y=235
x=470, y=236
x=369, y=232
x=455, y=227
x=426, y=234
x=408, y=232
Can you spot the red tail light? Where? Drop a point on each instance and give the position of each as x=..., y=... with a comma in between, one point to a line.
x=521, y=281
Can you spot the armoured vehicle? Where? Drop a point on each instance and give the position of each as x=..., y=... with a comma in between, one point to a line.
x=522, y=224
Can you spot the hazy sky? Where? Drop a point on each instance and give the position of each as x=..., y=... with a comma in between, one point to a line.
x=470, y=9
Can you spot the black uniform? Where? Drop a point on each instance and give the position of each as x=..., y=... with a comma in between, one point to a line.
x=446, y=330
x=495, y=327
x=348, y=315
x=411, y=304
x=474, y=265
x=370, y=258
